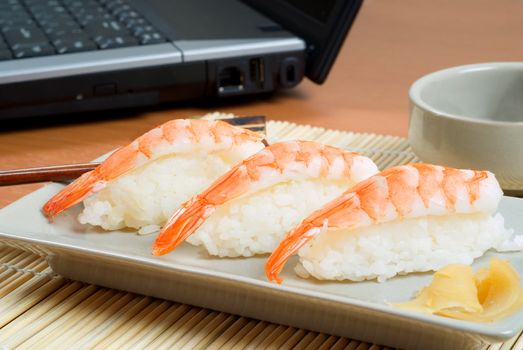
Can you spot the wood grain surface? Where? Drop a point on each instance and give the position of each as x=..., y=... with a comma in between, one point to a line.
x=392, y=43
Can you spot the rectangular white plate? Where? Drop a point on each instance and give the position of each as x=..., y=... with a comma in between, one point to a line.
x=123, y=260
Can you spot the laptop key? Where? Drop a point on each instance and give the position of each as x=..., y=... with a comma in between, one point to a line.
x=87, y=19
x=47, y=11
x=110, y=4
x=151, y=38
x=70, y=46
x=58, y=33
x=125, y=15
x=133, y=22
x=8, y=25
x=78, y=5
x=118, y=41
x=43, y=18
x=79, y=12
x=23, y=51
x=71, y=36
x=105, y=29
x=139, y=30
x=115, y=11
x=30, y=34
x=50, y=26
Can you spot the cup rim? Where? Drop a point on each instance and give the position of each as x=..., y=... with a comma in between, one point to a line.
x=419, y=84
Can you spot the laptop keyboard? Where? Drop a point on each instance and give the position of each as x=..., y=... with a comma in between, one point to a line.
x=32, y=28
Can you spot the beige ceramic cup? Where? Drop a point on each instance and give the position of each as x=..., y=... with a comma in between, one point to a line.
x=471, y=117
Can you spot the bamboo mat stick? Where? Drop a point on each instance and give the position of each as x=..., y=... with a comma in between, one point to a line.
x=196, y=335
x=283, y=338
x=159, y=326
x=121, y=323
x=10, y=256
x=229, y=333
x=356, y=345
x=315, y=343
x=109, y=312
x=36, y=318
x=247, y=341
x=340, y=344
x=215, y=329
x=180, y=338
x=509, y=343
x=42, y=287
x=375, y=347
x=279, y=329
x=309, y=337
x=56, y=318
x=17, y=259
x=163, y=338
x=18, y=277
x=328, y=343
x=63, y=324
x=255, y=344
x=237, y=341
x=20, y=286
x=519, y=342
x=294, y=338
x=137, y=329
x=92, y=319
x=143, y=325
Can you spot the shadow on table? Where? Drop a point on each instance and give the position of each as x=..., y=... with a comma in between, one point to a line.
x=46, y=121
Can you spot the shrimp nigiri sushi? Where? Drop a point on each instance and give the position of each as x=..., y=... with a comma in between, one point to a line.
x=417, y=217
x=140, y=185
x=250, y=208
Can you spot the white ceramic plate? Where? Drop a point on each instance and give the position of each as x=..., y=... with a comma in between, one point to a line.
x=122, y=260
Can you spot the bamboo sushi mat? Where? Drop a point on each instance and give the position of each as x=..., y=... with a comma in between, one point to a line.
x=39, y=309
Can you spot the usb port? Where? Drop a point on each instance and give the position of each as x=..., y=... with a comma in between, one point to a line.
x=257, y=72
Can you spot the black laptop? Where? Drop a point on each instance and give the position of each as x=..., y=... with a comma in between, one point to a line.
x=69, y=56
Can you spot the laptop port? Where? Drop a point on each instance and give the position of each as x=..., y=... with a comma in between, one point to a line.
x=290, y=72
x=257, y=72
x=230, y=80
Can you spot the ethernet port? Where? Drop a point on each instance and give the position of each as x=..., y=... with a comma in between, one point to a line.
x=230, y=80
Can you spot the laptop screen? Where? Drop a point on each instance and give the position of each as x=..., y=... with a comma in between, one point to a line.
x=322, y=24
x=318, y=10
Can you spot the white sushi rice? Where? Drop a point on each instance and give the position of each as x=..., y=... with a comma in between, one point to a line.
x=146, y=197
x=399, y=247
x=255, y=224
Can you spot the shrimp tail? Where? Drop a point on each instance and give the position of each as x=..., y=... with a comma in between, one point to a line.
x=317, y=223
x=182, y=224
x=72, y=194
x=292, y=242
x=193, y=213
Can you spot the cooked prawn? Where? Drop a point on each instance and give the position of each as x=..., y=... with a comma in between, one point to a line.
x=409, y=191
x=175, y=136
x=275, y=164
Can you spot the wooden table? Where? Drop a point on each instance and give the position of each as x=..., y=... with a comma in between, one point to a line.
x=392, y=43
